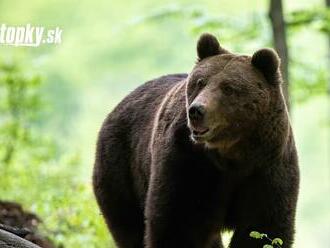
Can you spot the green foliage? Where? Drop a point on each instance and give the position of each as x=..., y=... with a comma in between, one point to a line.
x=257, y=235
x=248, y=27
x=267, y=246
x=254, y=28
x=21, y=107
x=35, y=173
x=276, y=242
x=62, y=199
x=318, y=18
x=307, y=80
x=170, y=11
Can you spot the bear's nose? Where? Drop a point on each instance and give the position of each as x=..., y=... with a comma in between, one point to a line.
x=196, y=112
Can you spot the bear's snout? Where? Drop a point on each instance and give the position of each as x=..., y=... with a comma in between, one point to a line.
x=196, y=112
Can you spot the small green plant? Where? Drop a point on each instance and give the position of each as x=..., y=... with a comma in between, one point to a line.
x=276, y=242
x=20, y=107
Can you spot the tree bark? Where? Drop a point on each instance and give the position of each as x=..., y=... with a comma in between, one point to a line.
x=327, y=2
x=280, y=42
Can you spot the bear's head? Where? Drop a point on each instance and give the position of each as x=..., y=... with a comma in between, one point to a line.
x=229, y=96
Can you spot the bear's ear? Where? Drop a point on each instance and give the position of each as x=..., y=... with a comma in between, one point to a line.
x=268, y=62
x=207, y=46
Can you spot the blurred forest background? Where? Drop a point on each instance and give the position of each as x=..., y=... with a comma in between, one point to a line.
x=53, y=98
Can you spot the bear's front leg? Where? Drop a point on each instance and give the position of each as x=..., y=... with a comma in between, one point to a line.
x=182, y=206
x=267, y=206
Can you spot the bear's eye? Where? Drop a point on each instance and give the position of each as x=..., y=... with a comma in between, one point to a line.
x=228, y=90
x=201, y=82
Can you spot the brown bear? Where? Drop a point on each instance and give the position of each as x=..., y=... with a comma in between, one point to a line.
x=185, y=157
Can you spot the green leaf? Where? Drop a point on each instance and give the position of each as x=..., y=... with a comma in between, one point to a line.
x=263, y=235
x=268, y=246
x=255, y=235
x=277, y=241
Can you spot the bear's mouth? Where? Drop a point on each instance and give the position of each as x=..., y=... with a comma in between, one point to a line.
x=200, y=133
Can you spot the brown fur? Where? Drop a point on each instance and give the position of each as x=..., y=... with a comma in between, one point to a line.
x=159, y=184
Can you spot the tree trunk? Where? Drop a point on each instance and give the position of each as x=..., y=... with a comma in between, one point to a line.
x=327, y=2
x=280, y=42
